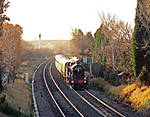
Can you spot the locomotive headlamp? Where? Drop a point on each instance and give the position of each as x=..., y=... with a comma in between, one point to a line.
x=85, y=78
x=72, y=81
x=84, y=81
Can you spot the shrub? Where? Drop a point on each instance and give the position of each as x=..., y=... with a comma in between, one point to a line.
x=6, y=109
x=98, y=69
x=113, y=78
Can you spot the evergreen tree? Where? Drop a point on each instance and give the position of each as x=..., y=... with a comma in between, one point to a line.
x=141, y=39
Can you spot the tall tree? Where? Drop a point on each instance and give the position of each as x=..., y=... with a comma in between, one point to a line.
x=141, y=37
x=4, y=4
x=11, y=46
x=81, y=43
x=111, y=39
x=98, y=44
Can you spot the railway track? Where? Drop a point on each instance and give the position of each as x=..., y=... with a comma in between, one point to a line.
x=85, y=109
x=98, y=105
x=53, y=98
x=59, y=101
x=44, y=105
x=103, y=103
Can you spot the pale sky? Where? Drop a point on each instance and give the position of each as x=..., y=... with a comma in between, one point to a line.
x=55, y=19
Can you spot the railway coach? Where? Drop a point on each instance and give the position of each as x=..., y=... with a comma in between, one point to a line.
x=71, y=70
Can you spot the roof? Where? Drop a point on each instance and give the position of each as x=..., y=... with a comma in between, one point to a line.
x=62, y=59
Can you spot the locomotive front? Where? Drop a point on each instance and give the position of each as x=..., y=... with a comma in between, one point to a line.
x=78, y=77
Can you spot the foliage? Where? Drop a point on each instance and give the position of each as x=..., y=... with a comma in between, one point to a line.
x=81, y=43
x=105, y=86
x=104, y=61
x=11, y=46
x=6, y=109
x=97, y=69
x=141, y=42
x=98, y=43
x=137, y=97
x=113, y=78
x=112, y=40
x=136, y=66
x=4, y=4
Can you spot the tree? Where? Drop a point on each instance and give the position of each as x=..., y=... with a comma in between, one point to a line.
x=11, y=47
x=98, y=44
x=113, y=47
x=4, y=4
x=141, y=38
x=81, y=43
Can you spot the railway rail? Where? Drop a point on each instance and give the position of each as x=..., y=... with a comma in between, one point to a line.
x=57, y=96
x=50, y=93
x=52, y=97
x=61, y=92
x=104, y=110
x=111, y=112
x=73, y=96
x=106, y=105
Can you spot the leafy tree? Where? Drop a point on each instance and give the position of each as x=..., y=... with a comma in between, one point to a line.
x=11, y=47
x=112, y=46
x=81, y=43
x=98, y=43
x=141, y=42
x=111, y=39
x=4, y=4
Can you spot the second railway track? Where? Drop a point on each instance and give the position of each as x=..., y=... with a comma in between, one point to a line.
x=97, y=104
x=64, y=105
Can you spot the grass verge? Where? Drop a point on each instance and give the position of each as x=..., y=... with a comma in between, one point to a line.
x=103, y=85
x=138, y=97
x=6, y=109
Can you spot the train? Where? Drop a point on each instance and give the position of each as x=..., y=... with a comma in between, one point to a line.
x=71, y=70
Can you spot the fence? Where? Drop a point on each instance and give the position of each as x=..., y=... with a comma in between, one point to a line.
x=5, y=77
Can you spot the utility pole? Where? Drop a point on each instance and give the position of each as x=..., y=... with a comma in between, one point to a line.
x=39, y=42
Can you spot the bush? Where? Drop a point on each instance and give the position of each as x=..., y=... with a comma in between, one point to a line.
x=113, y=78
x=6, y=109
x=98, y=70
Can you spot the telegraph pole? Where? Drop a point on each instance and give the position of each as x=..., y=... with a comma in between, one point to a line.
x=39, y=42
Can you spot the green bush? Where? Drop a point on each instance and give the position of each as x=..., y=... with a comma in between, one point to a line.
x=98, y=69
x=113, y=78
x=136, y=67
x=6, y=109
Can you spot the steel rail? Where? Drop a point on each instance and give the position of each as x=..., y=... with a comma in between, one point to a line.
x=51, y=92
x=64, y=94
x=97, y=110
x=33, y=95
x=109, y=107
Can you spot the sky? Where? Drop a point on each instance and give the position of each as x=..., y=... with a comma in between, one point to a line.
x=55, y=19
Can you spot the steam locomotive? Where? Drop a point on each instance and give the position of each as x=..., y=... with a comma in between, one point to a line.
x=71, y=70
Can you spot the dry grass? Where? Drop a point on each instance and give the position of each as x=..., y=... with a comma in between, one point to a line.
x=18, y=96
x=139, y=97
x=107, y=87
